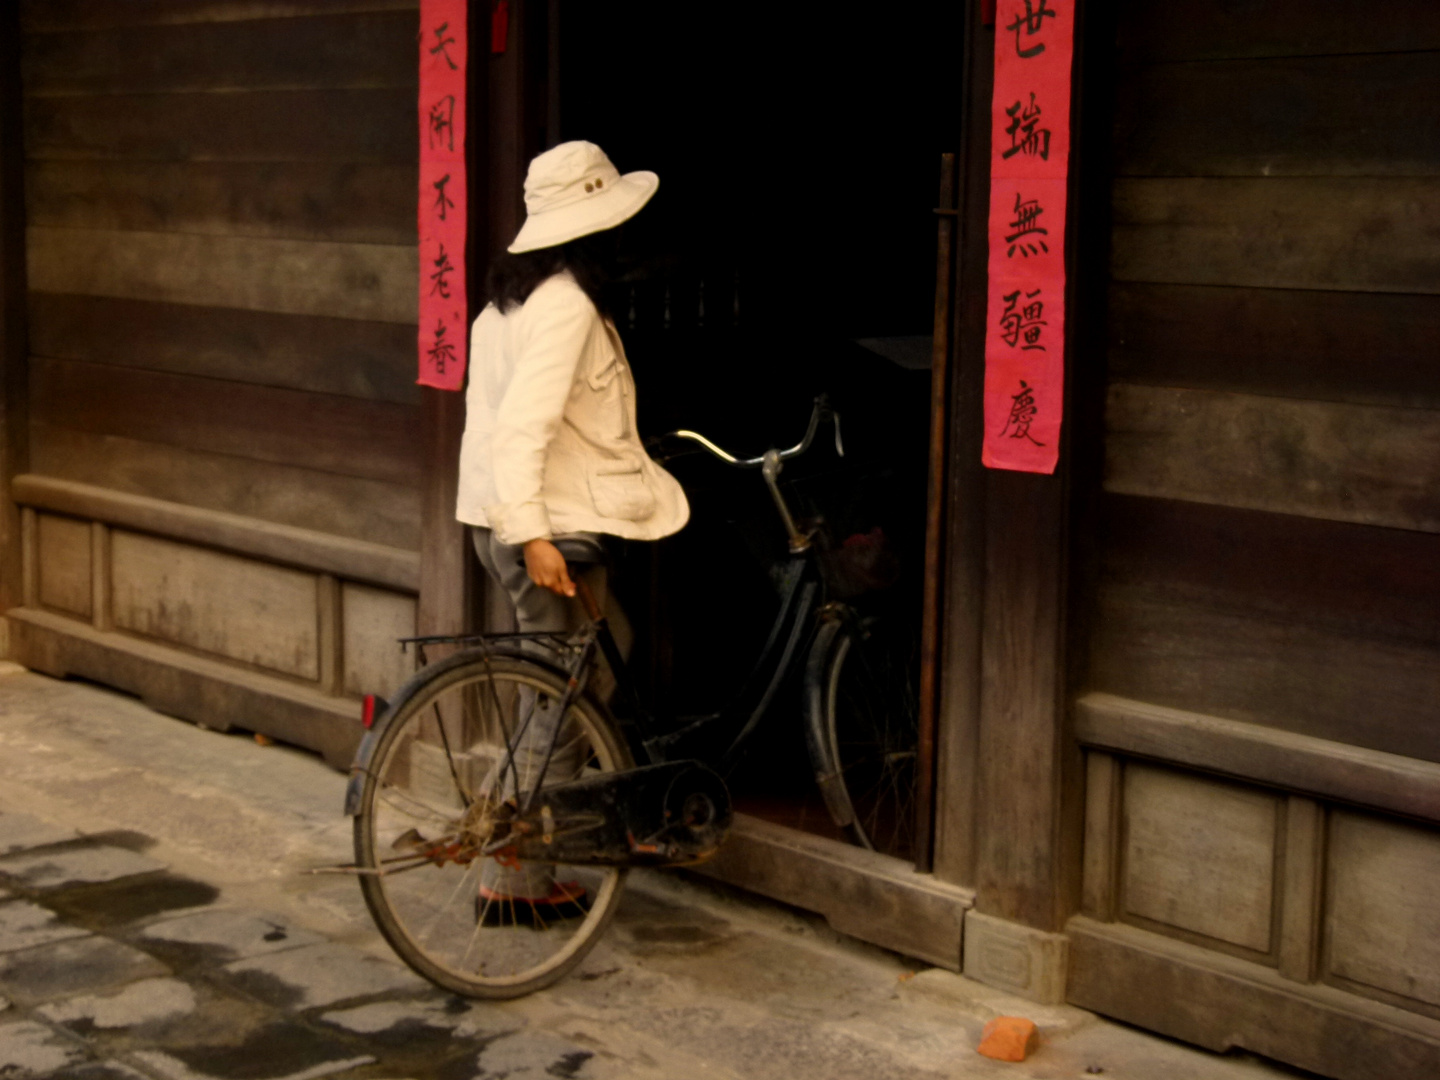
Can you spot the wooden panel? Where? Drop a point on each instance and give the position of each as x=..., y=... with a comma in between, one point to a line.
x=1370, y=464
x=368, y=510
x=1350, y=233
x=356, y=281
x=1354, y=579
x=1221, y=1002
x=337, y=556
x=372, y=620
x=372, y=439
x=375, y=49
x=1334, y=770
x=14, y=366
x=1373, y=693
x=1206, y=30
x=1311, y=116
x=1376, y=348
x=216, y=693
x=215, y=603
x=40, y=15
x=63, y=560
x=1199, y=855
x=361, y=204
x=262, y=125
x=1383, y=918
x=373, y=360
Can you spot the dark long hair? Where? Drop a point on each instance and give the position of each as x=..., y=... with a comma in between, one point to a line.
x=590, y=259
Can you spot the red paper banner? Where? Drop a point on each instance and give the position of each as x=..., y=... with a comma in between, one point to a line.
x=1029, y=166
x=442, y=193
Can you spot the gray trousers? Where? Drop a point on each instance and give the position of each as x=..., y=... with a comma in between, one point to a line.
x=536, y=610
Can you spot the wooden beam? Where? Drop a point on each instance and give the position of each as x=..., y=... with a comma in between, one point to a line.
x=353, y=560
x=1319, y=767
x=861, y=893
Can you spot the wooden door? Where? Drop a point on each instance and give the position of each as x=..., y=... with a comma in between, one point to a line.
x=221, y=507
x=1262, y=718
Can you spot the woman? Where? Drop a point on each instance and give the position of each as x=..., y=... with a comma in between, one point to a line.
x=550, y=451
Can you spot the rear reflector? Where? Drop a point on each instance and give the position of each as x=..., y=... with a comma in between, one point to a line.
x=372, y=706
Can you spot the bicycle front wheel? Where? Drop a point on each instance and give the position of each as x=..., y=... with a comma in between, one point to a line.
x=450, y=764
x=870, y=727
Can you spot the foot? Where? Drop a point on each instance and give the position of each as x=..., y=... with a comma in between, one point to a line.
x=567, y=900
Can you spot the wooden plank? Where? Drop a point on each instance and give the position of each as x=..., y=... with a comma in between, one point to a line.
x=215, y=603
x=372, y=439
x=1320, y=767
x=299, y=277
x=1370, y=464
x=325, y=51
x=1371, y=692
x=1199, y=855
x=1102, y=834
x=1382, y=922
x=50, y=15
x=1302, y=888
x=372, y=620
x=29, y=558
x=212, y=692
x=63, y=563
x=345, y=506
x=1205, y=30
x=298, y=200
x=1348, y=579
x=372, y=360
x=333, y=555
x=1367, y=347
x=1348, y=233
x=261, y=125
x=1018, y=793
x=1364, y=116
x=1221, y=1002
x=862, y=893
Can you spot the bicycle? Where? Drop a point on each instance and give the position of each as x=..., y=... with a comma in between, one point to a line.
x=438, y=789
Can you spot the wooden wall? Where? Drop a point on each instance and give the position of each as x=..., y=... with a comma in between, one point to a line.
x=1270, y=538
x=222, y=272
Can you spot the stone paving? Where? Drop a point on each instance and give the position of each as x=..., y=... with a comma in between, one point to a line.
x=157, y=921
x=169, y=984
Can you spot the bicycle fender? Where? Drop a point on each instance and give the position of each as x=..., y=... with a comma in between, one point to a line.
x=817, y=735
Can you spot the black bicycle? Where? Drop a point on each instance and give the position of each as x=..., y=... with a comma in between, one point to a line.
x=448, y=784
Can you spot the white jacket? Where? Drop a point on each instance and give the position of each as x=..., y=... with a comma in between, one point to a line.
x=550, y=444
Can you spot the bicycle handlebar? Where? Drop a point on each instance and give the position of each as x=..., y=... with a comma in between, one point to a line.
x=822, y=411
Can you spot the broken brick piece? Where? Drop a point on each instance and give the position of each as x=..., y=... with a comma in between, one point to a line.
x=1008, y=1038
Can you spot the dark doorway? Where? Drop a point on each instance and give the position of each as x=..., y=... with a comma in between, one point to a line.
x=789, y=252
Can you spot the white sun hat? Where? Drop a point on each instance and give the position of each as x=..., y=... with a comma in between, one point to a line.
x=572, y=190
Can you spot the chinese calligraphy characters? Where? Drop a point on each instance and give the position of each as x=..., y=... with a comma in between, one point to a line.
x=1026, y=223
x=1029, y=165
x=442, y=212
x=1023, y=412
x=1022, y=322
x=1030, y=24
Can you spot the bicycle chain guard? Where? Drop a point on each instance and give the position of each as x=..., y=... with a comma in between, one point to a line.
x=672, y=814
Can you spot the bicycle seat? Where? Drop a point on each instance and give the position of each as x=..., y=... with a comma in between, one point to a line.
x=581, y=552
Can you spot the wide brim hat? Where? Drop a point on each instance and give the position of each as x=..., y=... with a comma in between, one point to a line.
x=572, y=190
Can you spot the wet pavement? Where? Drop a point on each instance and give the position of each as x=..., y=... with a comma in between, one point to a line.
x=157, y=920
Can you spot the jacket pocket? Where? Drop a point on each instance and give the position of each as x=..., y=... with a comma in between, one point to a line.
x=619, y=490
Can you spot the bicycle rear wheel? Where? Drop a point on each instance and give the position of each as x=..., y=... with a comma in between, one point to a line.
x=440, y=786
x=869, y=725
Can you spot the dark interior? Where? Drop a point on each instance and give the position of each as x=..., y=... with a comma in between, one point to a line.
x=790, y=251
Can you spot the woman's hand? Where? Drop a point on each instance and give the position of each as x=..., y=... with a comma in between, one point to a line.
x=546, y=567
